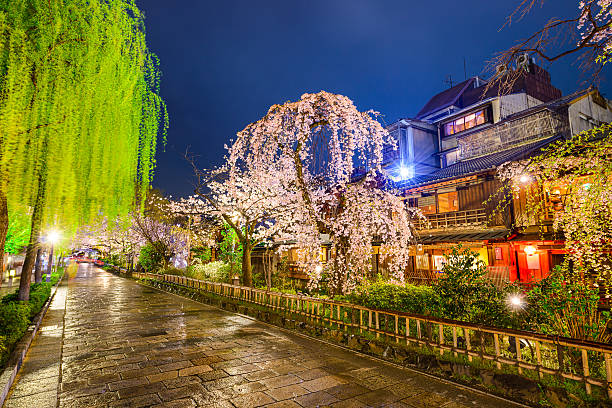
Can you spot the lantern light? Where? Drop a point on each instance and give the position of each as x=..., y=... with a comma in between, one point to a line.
x=530, y=250
x=515, y=301
x=525, y=178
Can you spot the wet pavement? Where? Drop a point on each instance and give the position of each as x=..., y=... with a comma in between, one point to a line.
x=126, y=345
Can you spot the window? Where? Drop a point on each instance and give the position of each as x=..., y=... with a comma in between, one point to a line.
x=451, y=158
x=470, y=121
x=422, y=261
x=465, y=123
x=449, y=129
x=427, y=204
x=460, y=125
x=448, y=202
x=480, y=117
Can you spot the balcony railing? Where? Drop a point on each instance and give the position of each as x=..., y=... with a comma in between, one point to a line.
x=454, y=219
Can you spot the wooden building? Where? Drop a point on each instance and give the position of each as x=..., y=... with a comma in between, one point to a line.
x=478, y=131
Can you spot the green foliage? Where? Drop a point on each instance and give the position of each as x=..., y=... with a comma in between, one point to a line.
x=80, y=110
x=14, y=320
x=407, y=298
x=150, y=259
x=204, y=254
x=18, y=233
x=466, y=293
x=217, y=271
x=230, y=247
x=172, y=271
x=561, y=304
x=15, y=317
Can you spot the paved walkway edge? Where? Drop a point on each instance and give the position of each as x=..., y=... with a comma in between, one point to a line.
x=7, y=378
x=381, y=360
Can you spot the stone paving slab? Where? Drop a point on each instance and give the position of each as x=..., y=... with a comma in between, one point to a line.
x=127, y=345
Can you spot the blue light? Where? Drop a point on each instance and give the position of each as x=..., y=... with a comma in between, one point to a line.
x=406, y=172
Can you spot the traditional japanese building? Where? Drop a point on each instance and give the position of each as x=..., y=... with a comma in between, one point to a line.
x=446, y=166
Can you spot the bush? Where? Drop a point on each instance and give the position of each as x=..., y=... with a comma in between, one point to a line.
x=467, y=294
x=567, y=305
x=408, y=298
x=15, y=316
x=14, y=321
x=173, y=271
x=149, y=259
x=204, y=254
x=216, y=271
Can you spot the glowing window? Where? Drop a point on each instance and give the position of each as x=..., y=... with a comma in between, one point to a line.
x=448, y=202
x=465, y=123
x=460, y=125
x=427, y=204
x=480, y=118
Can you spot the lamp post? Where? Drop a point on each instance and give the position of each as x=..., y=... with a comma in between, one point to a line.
x=52, y=238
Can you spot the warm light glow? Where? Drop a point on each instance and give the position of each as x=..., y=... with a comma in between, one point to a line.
x=530, y=250
x=525, y=179
x=319, y=268
x=515, y=301
x=53, y=237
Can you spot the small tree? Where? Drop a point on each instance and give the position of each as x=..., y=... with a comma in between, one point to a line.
x=165, y=239
x=576, y=172
x=563, y=305
x=150, y=259
x=254, y=206
x=466, y=293
x=312, y=148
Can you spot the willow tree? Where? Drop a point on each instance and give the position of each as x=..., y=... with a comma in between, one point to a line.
x=80, y=112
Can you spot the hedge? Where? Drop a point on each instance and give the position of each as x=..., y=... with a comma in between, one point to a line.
x=15, y=316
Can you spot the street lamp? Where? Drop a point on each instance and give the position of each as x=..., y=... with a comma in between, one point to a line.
x=52, y=239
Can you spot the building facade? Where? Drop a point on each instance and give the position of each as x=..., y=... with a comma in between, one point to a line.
x=446, y=166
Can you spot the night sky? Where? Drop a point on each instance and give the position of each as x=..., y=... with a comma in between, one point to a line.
x=225, y=62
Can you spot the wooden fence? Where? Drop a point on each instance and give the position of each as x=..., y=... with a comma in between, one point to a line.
x=530, y=354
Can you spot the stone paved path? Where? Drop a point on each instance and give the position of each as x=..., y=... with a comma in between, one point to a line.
x=126, y=345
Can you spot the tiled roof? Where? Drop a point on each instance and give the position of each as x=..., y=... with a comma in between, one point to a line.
x=479, y=164
x=472, y=236
x=444, y=99
x=535, y=83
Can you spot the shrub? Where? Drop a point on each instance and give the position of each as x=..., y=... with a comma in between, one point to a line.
x=408, y=298
x=173, y=271
x=15, y=316
x=567, y=305
x=216, y=271
x=149, y=259
x=203, y=254
x=466, y=293
x=14, y=321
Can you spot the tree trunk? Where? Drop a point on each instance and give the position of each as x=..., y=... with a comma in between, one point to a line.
x=38, y=266
x=4, y=220
x=28, y=262
x=247, y=269
x=50, y=262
